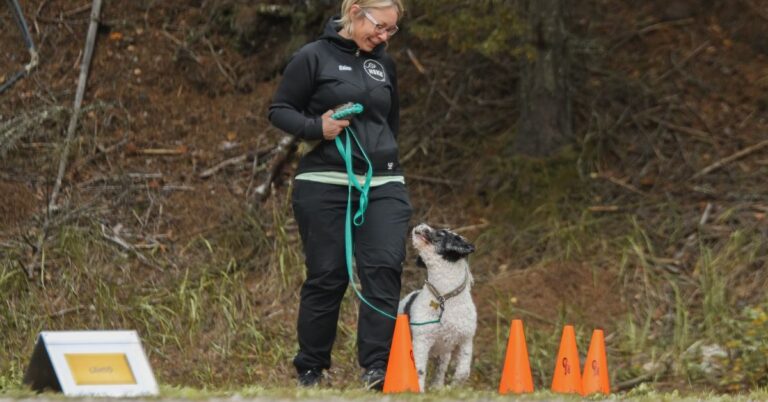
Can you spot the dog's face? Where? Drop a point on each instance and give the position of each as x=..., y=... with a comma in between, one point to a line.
x=432, y=243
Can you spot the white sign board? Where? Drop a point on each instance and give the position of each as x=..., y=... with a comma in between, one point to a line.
x=91, y=363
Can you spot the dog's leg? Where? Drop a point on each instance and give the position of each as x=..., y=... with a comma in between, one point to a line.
x=463, y=361
x=421, y=349
x=438, y=381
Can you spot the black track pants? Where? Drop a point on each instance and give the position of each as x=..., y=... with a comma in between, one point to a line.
x=379, y=246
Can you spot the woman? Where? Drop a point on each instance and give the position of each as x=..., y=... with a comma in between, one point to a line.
x=348, y=63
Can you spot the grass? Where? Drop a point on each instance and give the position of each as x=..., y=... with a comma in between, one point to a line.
x=87, y=285
x=639, y=394
x=216, y=308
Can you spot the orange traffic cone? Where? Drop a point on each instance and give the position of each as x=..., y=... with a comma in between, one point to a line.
x=595, y=378
x=567, y=378
x=516, y=376
x=401, y=369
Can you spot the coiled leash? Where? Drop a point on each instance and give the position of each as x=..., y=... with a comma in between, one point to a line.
x=347, y=111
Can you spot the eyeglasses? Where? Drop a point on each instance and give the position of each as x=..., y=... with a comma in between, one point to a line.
x=380, y=29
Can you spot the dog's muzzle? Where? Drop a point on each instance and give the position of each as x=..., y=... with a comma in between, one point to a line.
x=423, y=231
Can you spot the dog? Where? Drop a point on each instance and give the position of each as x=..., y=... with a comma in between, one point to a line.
x=445, y=297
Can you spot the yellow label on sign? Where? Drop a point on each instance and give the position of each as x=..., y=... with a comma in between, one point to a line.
x=100, y=368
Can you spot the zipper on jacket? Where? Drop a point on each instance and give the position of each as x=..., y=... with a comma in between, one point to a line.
x=367, y=95
x=357, y=53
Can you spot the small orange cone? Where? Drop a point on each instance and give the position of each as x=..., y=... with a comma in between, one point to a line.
x=516, y=376
x=567, y=378
x=401, y=368
x=595, y=378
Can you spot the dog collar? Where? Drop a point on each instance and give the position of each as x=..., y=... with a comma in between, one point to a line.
x=455, y=292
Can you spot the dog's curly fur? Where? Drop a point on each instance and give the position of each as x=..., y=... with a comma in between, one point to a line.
x=445, y=255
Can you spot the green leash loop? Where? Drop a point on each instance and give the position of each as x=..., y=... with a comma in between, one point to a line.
x=346, y=153
x=345, y=149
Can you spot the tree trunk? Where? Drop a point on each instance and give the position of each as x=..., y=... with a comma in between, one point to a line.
x=545, y=117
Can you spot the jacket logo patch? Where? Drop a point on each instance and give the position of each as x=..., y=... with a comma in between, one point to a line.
x=375, y=70
x=342, y=67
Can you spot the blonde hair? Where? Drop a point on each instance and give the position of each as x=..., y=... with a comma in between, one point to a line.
x=346, y=6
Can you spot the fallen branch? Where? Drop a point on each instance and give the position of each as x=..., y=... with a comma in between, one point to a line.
x=722, y=162
x=37, y=13
x=283, y=151
x=649, y=376
x=145, y=176
x=176, y=187
x=183, y=46
x=33, y=55
x=618, y=182
x=254, y=170
x=685, y=60
x=102, y=152
x=420, y=146
x=416, y=62
x=180, y=150
x=107, y=180
x=115, y=238
x=233, y=161
x=140, y=187
x=705, y=215
x=77, y=10
x=84, y=67
x=63, y=15
x=700, y=135
x=219, y=63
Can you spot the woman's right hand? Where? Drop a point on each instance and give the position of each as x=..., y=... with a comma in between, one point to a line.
x=331, y=127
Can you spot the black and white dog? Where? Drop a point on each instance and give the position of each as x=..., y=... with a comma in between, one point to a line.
x=444, y=299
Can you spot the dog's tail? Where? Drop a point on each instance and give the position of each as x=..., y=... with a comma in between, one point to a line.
x=406, y=303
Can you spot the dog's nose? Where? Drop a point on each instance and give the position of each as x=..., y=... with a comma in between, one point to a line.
x=422, y=229
x=422, y=234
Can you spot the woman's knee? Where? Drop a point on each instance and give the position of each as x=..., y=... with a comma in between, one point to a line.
x=382, y=282
x=327, y=280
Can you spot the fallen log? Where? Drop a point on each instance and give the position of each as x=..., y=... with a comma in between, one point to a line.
x=284, y=150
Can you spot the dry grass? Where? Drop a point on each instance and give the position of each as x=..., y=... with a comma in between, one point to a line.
x=211, y=280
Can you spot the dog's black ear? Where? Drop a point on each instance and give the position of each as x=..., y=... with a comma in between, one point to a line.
x=456, y=247
x=420, y=262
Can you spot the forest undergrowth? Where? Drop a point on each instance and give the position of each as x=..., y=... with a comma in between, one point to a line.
x=652, y=225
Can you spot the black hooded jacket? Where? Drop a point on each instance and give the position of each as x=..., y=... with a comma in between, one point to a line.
x=327, y=73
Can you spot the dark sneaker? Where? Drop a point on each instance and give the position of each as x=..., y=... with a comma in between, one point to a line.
x=373, y=379
x=310, y=377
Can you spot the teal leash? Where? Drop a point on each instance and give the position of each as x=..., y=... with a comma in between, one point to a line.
x=345, y=150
